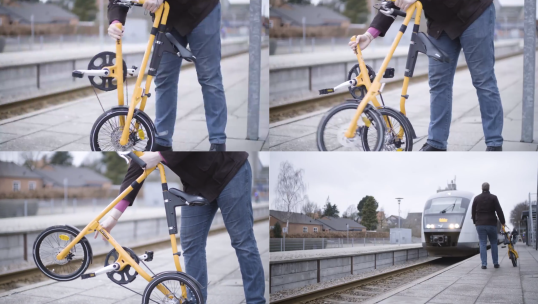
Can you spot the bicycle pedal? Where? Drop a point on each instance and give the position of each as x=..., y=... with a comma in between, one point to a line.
x=150, y=256
x=389, y=73
x=77, y=74
x=87, y=276
x=326, y=91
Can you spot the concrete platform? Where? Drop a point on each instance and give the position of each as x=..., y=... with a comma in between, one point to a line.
x=466, y=282
x=466, y=134
x=67, y=127
x=223, y=270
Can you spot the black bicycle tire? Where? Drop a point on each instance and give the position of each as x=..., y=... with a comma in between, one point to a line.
x=42, y=267
x=401, y=120
x=117, y=111
x=370, y=111
x=513, y=258
x=170, y=276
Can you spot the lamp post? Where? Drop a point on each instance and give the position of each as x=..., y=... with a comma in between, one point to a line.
x=347, y=232
x=399, y=199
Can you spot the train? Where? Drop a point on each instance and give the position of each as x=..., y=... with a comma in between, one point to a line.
x=447, y=227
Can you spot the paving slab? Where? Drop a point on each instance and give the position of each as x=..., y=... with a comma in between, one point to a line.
x=466, y=282
x=466, y=134
x=225, y=283
x=67, y=126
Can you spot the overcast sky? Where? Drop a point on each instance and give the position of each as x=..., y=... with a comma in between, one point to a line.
x=347, y=177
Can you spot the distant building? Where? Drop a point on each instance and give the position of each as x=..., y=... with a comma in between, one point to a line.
x=298, y=222
x=21, y=13
x=393, y=221
x=340, y=224
x=53, y=176
x=15, y=178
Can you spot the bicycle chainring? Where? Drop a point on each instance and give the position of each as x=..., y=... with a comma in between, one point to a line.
x=127, y=274
x=360, y=91
x=98, y=62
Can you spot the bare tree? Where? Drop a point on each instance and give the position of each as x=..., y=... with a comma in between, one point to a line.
x=351, y=213
x=515, y=214
x=31, y=159
x=290, y=188
x=309, y=208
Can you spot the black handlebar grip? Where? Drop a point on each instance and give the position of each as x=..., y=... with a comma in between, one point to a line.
x=400, y=13
x=137, y=160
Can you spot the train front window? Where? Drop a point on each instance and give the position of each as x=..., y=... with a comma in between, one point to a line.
x=446, y=205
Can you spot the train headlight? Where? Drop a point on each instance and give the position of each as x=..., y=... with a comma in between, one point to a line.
x=457, y=226
x=451, y=226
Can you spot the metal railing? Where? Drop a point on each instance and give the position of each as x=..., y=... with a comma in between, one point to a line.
x=291, y=244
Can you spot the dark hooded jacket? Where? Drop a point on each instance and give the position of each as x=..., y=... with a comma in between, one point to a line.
x=485, y=206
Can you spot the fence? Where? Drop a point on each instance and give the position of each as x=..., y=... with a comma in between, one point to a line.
x=41, y=42
x=36, y=207
x=291, y=244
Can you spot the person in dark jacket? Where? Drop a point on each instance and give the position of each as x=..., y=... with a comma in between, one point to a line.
x=225, y=180
x=196, y=23
x=484, y=207
x=453, y=25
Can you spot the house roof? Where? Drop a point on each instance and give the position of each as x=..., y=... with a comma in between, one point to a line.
x=314, y=15
x=8, y=169
x=295, y=218
x=339, y=224
x=43, y=13
x=76, y=176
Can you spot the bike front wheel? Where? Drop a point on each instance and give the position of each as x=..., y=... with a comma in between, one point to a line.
x=397, y=132
x=513, y=258
x=334, y=124
x=107, y=130
x=51, y=242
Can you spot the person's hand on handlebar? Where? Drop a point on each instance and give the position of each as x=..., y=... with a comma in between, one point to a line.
x=152, y=5
x=152, y=159
x=114, y=31
x=363, y=41
x=404, y=4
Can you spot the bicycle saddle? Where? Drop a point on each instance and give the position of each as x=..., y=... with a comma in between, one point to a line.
x=182, y=51
x=192, y=200
x=425, y=46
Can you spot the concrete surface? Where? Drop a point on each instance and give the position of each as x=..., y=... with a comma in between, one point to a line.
x=299, y=133
x=67, y=127
x=297, y=272
x=223, y=270
x=466, y=282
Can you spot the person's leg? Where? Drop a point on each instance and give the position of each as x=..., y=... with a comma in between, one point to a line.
x=441, y=79
x=492, y=236
x=195, y=224
x=204, y=42
x=477, y=43
x=236, y=207
x=166, y=82
x=483, y=239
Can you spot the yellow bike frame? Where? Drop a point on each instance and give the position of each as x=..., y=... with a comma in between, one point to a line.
x=116, y=71
x=510, y=247
x=124, y=258
x=374, y=87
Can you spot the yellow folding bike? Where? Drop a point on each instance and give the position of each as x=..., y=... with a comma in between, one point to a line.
x=63, y=253
x=358, y=125
x=128, y=128
x=512, y=253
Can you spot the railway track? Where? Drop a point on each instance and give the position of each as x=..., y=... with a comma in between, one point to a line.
x=361, y=290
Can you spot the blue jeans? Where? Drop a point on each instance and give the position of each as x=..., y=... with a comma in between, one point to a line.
x=204, y=42
x=485, y=233
x=477, y=44
x=236, y=207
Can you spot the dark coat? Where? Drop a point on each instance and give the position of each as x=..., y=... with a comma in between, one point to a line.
x=449, y=16
x=201, y=173
x=485, y=206
x=184, y=15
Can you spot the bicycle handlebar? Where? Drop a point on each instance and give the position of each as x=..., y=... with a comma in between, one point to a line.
x=137, y=160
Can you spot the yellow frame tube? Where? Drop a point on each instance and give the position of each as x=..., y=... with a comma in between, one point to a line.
x=373, y=89
x=161, y=17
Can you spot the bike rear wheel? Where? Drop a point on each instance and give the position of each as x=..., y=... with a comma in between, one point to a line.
x=172, y=282
x=334, y=124
x=513, y=258
x=397, y=132
x=107, y=130
x=49, y=243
